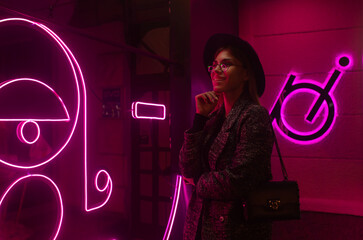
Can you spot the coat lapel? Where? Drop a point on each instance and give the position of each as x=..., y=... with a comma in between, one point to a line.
x=222, y=137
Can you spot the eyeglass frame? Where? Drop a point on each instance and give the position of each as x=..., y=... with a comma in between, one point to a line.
x=227, y=65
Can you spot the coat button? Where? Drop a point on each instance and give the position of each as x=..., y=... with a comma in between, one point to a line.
x=221, y=219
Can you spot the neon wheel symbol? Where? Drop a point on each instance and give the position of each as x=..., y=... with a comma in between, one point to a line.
x=323, y=100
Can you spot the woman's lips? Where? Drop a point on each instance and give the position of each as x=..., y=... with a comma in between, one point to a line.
x=217, y=81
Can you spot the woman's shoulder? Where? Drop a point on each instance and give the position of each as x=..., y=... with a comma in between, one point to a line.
x=257, y=109
x=248, y=107
x=256, y=113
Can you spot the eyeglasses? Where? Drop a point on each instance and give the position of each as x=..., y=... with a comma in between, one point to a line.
x=223, y=66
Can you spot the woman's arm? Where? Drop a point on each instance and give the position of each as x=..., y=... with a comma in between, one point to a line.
x=190, y=154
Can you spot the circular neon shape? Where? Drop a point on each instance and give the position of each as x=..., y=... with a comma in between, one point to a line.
x=323, y=126
x=54, y=188
x=344, y=61
x=108, y=183
x=20, y=131
x=79, y=82
x=319, y=132
x=77, y=74
x=7, y=83
x=323, y=100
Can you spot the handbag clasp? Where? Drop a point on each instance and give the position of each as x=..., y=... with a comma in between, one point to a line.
x=273, y=204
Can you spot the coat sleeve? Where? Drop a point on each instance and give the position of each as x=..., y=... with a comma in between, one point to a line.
x=250, y=164
x=190, y=155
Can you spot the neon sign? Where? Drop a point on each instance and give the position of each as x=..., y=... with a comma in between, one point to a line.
x=323, y=101
x=174, y=207
x=54, y=188
x=21, y=135
x=143, y=110
x=13, y=85
x=11, y=88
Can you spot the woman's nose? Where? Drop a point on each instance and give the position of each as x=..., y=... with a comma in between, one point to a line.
x=218, y=67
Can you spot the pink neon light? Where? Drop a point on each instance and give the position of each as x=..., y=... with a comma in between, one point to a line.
x=135, y=111
x=132, y=110
x=174, y=207
x=347, y=64
x=72, y=59
x=107, y=185
x=344, y=56
x=13, y=81
x=78, y=99
x=20, y=132
x=322, y=86
x=77, y=72
x=292, y=129
x=60, y=201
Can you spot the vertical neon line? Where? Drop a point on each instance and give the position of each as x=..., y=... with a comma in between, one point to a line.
x=173, y=208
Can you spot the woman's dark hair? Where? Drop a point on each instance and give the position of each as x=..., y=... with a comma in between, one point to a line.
x=241, y=56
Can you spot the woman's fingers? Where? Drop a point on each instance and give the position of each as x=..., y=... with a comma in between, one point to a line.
x=206, y=102
x=211, y=96
x=208, y=97
x=201, y=97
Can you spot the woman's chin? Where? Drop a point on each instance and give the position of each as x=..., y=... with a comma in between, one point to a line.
x=217, y=89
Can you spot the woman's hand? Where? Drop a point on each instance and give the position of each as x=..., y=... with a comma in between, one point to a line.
x=206, y=102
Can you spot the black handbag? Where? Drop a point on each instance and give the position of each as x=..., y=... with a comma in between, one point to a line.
x=274, y=200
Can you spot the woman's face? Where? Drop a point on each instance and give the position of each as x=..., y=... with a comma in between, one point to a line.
x=233, y=79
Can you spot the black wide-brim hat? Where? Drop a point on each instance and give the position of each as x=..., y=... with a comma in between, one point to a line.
x=219, y=40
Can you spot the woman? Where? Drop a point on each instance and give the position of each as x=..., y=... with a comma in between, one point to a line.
x=226, y=153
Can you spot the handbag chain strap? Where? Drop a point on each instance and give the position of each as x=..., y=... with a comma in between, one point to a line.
x=283, y=169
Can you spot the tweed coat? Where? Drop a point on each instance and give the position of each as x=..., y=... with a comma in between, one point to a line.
x=238, y=161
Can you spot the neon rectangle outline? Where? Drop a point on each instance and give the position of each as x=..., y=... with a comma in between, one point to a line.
x=134, y=110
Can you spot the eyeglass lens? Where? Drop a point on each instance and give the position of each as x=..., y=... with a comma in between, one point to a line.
x=214, y=66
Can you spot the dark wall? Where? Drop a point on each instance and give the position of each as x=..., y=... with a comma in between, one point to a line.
x=207, y=18
x=306, y=38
